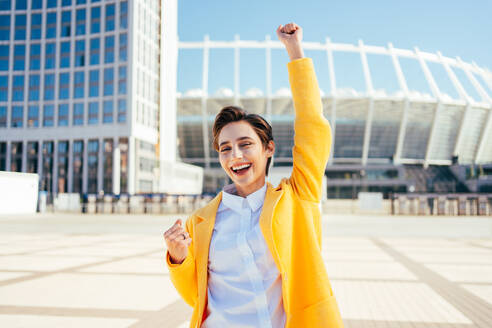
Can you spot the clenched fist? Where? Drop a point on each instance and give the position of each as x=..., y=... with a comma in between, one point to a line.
x=291, y=36
x=177, y=241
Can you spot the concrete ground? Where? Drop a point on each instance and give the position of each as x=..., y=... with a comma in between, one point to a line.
x=108, y=271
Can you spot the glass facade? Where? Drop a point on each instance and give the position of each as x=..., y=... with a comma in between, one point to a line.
x=47, y=170
x=16, y=157
x=3, y=156
x=48, y=115
x=108, y=166
x=92, y=165
x=3, y=116
x=32, y=156
x=78, y=162
x=62, y=170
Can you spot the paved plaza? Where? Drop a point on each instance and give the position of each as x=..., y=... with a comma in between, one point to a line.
x=109, y=271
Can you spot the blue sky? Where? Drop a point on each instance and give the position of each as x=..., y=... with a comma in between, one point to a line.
x=456, y=28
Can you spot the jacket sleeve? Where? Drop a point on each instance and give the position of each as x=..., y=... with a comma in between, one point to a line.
x=312, y=138
x=183, y=276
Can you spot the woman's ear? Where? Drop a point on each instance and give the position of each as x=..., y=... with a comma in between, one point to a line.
x=270, y=149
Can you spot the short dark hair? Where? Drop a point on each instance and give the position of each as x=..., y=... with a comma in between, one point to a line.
x=231, y=114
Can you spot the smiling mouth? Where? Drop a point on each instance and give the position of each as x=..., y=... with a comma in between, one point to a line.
x=240, y=169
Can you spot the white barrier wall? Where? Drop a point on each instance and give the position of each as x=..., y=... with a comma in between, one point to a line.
x=181, y=179
x=18, y=192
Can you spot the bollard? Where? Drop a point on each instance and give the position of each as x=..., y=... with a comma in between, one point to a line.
x=156, y=204
x=462, y=206
x=122, y=205
x=441, y=205
x=91, y=204
x=402, y=203
x=137, y=205
x=422, y=201
x=482, y=205
x=107, y=204
x=412, y=206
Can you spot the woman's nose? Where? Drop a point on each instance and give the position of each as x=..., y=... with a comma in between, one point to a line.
x=236, y=152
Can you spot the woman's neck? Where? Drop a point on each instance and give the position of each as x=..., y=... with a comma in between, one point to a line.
x=244, y=191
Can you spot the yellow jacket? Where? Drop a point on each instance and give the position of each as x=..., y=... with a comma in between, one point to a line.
x=290, y=221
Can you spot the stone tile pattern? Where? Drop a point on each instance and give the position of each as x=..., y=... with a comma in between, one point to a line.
x=120, y=280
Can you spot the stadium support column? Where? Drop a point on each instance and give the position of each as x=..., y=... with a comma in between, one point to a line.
x=268, y=66
x=132, y=163
x=85, y=171
x=100, y=164
x=485, y=98
x=236, y=69
x=437, y=94
x=206, y=146
x=403, y=87
x=333, y=84
x=24, y=156
x=54, y=171
x=463, y=95
x=370, y=111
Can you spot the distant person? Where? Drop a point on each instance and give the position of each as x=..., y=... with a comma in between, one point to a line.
x=252, y=256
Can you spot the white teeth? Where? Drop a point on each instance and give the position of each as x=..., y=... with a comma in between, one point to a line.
x=235, y=168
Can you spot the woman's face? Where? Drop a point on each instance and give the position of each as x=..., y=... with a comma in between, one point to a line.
x=243, y=156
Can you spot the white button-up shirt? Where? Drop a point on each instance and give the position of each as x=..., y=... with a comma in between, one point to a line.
x=244, y=284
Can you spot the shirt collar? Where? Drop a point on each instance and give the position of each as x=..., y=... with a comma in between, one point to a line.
x=236, y=203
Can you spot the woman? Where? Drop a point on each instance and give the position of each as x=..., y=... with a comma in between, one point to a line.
x=252, y=256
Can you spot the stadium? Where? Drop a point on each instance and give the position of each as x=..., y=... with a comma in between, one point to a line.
x=398, y=142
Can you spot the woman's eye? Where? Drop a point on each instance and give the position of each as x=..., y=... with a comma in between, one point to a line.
x=224, y=149
x=245, y=144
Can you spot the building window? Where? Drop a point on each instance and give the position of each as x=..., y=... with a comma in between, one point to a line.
x=78, y=114
x=124, y=14
x=93, y=113
x=20, y=4
x=94, y=83
x=108, y=81
x=36, y=21
x=4, y=27
x=3, y=156
x=65, y=24
x=34, y=87
x=95, y=50
x=81, y=2
x=95, y=19
x=92, y=164
x=36, y=4
x=19, y=57
x=63, y=115
x=3, y=117
x=47, y=173
x=4, y=58
x=33, y=116
x=20, y=27
x=48, y=115
x=16, y=157
x=80, y=53
x=32, y=157
x=122, y=80
x=109, y=49
x=65, y=54
x=5, y=5
x=4, y=88
x=78, y=86
x=66, y=3
x=49, y=86
x=17, y=118
x=123, y=47
x=80, y=24
x=18, y=88
x=63, y=87
x=78, y=160
x=62, y=176
x=110, y=17
x=108, y=111
x=51, y=3
x=51, y=25
x=35, y=57
x=50, y=55
x=108, y=165
x=121, y=110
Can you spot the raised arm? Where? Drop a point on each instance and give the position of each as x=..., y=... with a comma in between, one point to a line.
x=312, y=139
